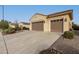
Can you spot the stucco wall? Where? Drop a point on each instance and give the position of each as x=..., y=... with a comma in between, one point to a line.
x=37, y=18
x=68, y=23
x=47, y=24
x=24, y=25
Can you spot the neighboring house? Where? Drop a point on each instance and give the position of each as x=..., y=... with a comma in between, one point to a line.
x=24, y=25
x=57, y=22
x=12, y=25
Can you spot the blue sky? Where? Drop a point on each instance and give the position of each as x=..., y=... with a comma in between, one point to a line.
x=25, y=12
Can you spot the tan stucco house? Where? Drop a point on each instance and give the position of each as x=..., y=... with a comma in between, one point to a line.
x=57, y=22
x=24, y=25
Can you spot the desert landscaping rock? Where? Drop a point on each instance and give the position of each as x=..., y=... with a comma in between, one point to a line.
x=67, y=46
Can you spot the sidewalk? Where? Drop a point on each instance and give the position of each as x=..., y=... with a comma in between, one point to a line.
x=2, y=45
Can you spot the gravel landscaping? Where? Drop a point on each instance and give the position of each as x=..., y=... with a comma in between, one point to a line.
x=64, y=46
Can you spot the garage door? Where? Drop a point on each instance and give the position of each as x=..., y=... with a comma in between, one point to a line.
x=57, y=25
x=38, y=26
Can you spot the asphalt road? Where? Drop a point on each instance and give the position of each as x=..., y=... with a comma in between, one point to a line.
x=28, y=42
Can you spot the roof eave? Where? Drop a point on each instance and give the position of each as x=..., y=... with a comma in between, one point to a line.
x=69, y=12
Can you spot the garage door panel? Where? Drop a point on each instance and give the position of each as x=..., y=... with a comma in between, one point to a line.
x=38, y=26
x=57, y=26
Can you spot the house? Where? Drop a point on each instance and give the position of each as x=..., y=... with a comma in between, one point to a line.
x=24, y=25
x=57, y=22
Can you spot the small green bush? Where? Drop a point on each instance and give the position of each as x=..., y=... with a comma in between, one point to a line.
x=68, y=34
x=4, y=24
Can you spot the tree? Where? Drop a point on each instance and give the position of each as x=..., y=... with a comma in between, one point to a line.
x=75, y=26
x=4, y=24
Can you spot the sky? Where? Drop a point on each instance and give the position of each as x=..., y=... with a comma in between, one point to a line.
x=23, y=13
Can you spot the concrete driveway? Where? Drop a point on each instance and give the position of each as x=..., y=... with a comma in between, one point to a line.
x=30, y=42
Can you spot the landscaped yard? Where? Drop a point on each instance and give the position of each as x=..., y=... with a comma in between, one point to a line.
x=65, y=46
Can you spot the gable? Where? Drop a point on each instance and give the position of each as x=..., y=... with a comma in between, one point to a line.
x=38, y=17
x=68, y=12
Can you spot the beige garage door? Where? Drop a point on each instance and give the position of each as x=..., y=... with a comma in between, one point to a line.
x=57, y=25
x=38, y=26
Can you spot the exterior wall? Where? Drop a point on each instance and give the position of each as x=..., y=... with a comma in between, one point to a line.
x=70, y=24
x=37, y=18
x=30, y=26
x=23, y=25
x=47, y=24
x=67, y=24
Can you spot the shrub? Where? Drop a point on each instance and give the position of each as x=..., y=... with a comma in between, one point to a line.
x=4, y=24
x=68, y=34
x=9, y=31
